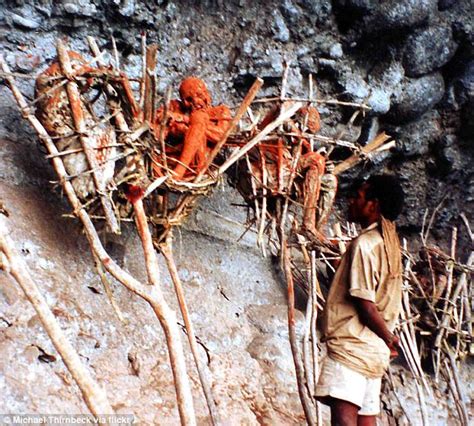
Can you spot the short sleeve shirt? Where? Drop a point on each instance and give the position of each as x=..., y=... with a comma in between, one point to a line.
x=363, y=273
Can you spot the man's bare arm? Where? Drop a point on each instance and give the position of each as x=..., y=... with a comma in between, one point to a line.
x=370, y=316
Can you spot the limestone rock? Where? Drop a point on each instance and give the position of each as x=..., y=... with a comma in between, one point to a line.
x=415, y=137
x=403, y=13
x=279, y=28
x=416, y=96
x=25, y=22
x=81, y=8
x=428, y=49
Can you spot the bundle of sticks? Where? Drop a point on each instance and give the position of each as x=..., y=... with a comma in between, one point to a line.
x=436, y=321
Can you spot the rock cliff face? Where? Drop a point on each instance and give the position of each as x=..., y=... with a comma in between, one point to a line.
x=411, y=61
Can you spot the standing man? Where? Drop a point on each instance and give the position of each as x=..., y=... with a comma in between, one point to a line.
x=362, y=307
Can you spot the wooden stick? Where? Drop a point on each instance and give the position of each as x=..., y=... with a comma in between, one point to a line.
x=116, y=55
x=144, y=67
x=284, y=212
x=446, y=318
x=167, y=318
x=445, y=321
x=263, y=215
x=307, y=352
x=240, y=112
x=254, y=188
x=148, y=108
x=376, y=143
x=167, y=251
x=285, y=115
x=302, y=388
x=75, y=104
x=432, y=218
x=152, y=295
x=317, y=101
x=94, y=396
x=405, y=346
x=162, y=128
x=284, y=81
x=466, y=223
x=108, y=291
x=464, y=416
x=392, y=386
x=314, y=337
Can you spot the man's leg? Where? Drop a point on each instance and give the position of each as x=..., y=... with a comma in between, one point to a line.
x=343, y=413
x=367, y=421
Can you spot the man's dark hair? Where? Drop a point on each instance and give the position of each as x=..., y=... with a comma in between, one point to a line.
x=388, y=191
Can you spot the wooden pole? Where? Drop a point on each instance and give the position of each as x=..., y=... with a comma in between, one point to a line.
x=167, y=319
x=167, y=251
x=300, y=378
x=94, y=396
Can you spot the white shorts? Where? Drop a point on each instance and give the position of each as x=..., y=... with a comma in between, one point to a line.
x=340, y=382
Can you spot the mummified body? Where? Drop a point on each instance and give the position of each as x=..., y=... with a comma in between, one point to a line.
x=54, y=113
x=315, y=185
x=192, y=128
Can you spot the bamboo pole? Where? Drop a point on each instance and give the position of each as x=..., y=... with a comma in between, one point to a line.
x=446, y=319
x=143, y=79
x=254, y=187
x=263, y=215
x=94, y=396
x=317, y=101
x=447, y=307
x=148, y=108
x=307, y=352
x=284, y=211
x=108, y=291
x=464, y=416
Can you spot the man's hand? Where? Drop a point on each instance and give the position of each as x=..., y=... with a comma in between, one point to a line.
x=393, y=345
x=370, y=316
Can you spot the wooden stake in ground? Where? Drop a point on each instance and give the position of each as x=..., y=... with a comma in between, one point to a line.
x=94, y=396
x=300, y=377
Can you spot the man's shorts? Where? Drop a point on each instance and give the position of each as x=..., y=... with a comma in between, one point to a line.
x=340, y=382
